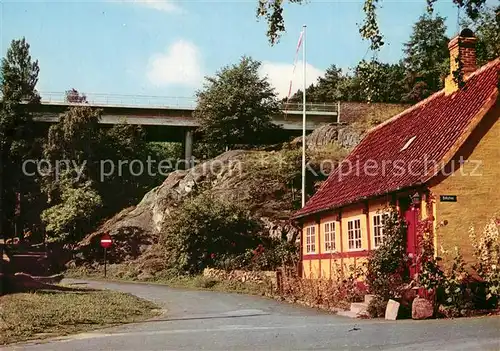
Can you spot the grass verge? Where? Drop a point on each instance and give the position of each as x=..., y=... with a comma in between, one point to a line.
x=49, y=313
x=198, y=282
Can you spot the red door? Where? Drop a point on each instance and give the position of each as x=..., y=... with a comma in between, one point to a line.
x=410, y=214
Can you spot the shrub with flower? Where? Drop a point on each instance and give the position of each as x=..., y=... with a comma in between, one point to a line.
x=430, y=276
x=487, y=255
x=387, y=265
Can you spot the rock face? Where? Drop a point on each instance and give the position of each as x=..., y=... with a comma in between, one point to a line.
x=228, y=177
x=422, y=308
x=346, y=136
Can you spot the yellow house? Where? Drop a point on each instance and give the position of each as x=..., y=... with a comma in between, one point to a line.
x=439, y=159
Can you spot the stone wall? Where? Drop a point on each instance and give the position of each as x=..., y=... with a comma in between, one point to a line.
x=260, y=277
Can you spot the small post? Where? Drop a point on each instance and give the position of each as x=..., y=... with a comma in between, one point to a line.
x=106, y=242
x=105, y=249
x=338, y=112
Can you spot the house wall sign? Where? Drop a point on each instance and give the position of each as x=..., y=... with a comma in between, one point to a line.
x=448, y=198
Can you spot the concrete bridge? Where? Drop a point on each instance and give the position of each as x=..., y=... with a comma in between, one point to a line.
x=171, y=118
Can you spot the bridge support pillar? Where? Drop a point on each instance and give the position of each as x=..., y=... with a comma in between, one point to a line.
x=188, y=148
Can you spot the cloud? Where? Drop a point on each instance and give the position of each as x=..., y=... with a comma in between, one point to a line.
x=179, y=65
x=280, y=74
x=160, y=5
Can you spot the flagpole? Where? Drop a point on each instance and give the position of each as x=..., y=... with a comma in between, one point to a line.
x=304, y=117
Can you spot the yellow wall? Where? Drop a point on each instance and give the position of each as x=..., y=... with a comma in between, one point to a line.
x=478, y=197
x=330, y=263
x=330, y=268
x=310, y=269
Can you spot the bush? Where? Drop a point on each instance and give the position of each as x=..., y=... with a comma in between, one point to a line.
x=205, y=231
x=387, y=265
x=337, y=292
x=269, y=255
x=377, y=307
x=204, y=282
x=487, y=254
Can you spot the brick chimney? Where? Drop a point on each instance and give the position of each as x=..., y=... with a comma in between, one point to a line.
x=462, y=46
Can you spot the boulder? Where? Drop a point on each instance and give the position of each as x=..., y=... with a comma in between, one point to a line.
x=422, y=308
x=392, y=309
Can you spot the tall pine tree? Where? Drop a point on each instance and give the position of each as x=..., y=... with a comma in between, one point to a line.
x=427, y=57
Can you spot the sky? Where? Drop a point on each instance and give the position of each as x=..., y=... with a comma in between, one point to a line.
x=166, y=48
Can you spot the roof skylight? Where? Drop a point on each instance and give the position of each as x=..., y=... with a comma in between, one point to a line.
x=408, y=143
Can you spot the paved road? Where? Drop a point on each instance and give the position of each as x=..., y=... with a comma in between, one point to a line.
x=200, y=320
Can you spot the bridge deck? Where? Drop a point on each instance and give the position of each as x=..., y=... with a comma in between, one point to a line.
x=168, y=102
x=173, y=111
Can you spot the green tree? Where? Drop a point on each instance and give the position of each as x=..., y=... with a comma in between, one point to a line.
x=72, y=146
x=371, y=81
x=126, y=186
x=204, y=231
x=426, y=57
x=327, y=88
x=19, y=75
x=237, y=106
x=272, y=11
x=70, y=219
x=94, y=170
x=393, y=87
x=487, y=30
x=311, y=95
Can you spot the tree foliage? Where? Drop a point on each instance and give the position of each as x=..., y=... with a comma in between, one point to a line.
x=272, y=11
x=426, y=58
x=204, y=231
x=237, y=106
x=74, y=214
x=487, y=30
x=426, y=61
x=89, y=159
x=372, y=81
x=19, y=75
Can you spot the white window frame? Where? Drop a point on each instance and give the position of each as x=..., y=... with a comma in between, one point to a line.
x=378, y=228
x=356, y=233
x=310, y=239
x=329, y=229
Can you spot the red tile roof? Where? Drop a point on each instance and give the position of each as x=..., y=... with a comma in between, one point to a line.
x=436, y=125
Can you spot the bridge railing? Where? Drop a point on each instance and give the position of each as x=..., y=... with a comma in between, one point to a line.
x=113, y=100
x=310, y=106
x=124, y=100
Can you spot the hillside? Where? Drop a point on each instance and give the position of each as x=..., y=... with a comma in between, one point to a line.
x=266, y=183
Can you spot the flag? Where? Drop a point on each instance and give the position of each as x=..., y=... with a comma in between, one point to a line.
x=299, y=44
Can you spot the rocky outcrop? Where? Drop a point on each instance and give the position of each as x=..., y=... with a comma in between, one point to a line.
x=349, y=137
x=345, y=136
x=229, y=176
